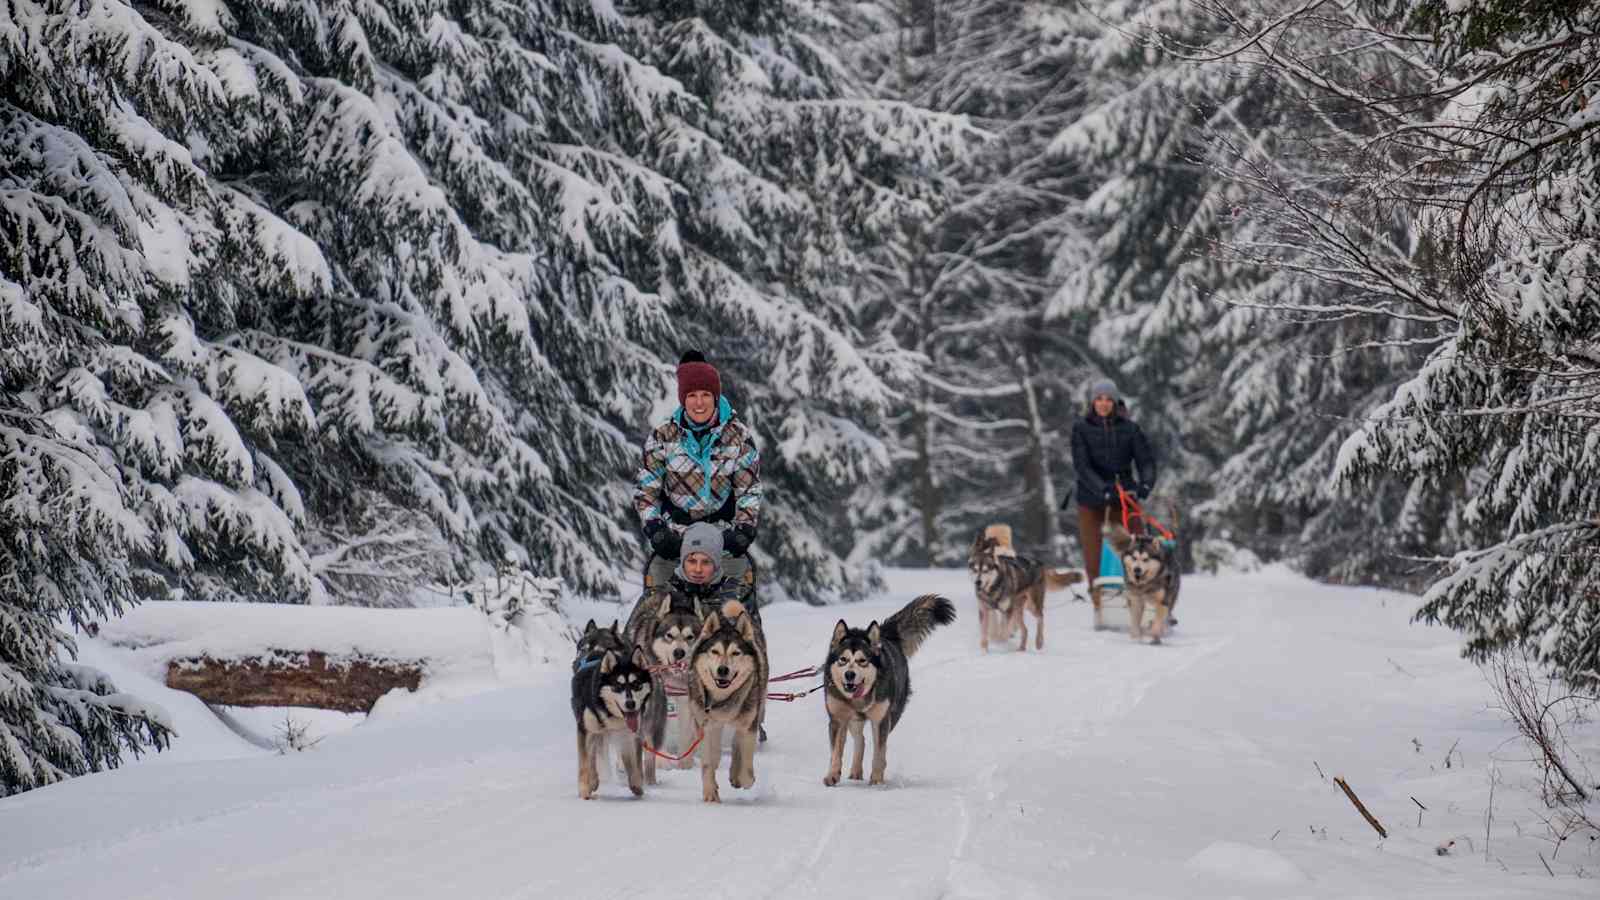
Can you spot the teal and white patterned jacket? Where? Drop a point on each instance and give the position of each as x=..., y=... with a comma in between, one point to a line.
x=714, y=476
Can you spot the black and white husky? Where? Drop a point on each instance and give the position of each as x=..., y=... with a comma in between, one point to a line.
x=610, y=695
x=868, y=680
x=595, y=641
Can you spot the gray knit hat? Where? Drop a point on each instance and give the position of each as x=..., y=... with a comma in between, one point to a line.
x=702, y=537
x=1102, y=386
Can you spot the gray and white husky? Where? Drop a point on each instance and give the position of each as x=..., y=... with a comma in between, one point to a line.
x=1150, y=576
x=667, y=625
x=728, y=690
x=1008, y=585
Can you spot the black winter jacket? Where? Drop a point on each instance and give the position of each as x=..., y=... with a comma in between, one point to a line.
x=1104, y=452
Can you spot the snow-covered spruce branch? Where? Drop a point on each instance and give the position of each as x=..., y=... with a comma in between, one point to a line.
x=1492, y=178
x=1327, y=235
x=971, y=425
x=987, y=456
x=1006, y=390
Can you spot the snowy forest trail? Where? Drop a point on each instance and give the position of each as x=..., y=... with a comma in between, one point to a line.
x=1097, y=768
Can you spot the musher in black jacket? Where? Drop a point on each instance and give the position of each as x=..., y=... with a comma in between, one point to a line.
x=1107, y=450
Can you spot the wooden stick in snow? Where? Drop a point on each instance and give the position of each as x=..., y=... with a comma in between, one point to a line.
x=1339, y=780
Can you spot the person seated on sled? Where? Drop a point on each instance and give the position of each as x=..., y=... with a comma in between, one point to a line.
x=1107, y=448
x=699, y=466
x=699, y=574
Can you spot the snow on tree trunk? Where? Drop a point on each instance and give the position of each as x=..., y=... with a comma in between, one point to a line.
x=1041, y=507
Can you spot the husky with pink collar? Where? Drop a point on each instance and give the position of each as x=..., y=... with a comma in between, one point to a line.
x=868, y=680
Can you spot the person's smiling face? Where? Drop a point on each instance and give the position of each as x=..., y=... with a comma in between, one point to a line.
x=700, y=405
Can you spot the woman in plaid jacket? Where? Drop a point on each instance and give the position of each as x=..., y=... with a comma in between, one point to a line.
x=701, y=465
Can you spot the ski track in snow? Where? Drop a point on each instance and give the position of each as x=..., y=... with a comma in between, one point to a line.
x=1100, y=767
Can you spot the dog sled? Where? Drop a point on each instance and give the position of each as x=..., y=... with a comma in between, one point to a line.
x=1136, y=521
x=674, y=676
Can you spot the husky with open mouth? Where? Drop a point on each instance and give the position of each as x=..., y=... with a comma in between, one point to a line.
x=667, y=625
x=609, y=699
x=869, y=680
x=728, y=689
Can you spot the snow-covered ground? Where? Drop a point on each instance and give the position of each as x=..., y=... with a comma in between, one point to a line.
x=1099, y=768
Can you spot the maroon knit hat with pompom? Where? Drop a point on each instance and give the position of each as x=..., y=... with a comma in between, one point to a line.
x=695, y=374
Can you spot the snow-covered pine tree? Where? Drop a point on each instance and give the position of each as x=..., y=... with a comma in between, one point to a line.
x=794, y=178
x=441, y=227
x=982, y=439
x=1139, y=275
x=133, y=453
x=1491, y=167
x=1300, y=363
x=1509, y=406
x=478, y=176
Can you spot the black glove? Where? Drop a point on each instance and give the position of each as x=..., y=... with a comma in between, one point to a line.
x=1142, y=490
x=736, y=540
x=663, y=540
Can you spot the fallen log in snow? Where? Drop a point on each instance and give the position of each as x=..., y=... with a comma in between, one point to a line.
x=340, y=658
x=279, y=678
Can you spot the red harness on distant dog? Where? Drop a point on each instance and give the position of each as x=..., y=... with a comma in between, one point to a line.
x=1132, y=510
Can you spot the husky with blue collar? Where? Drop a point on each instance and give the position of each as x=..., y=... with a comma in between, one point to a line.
x=595, y=641
x=610, y=698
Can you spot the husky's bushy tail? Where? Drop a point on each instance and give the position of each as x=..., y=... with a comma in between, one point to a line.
x=912, y=625
x=1056, y=579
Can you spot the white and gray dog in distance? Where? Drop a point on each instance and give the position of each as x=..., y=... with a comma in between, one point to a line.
x=1150, y=577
